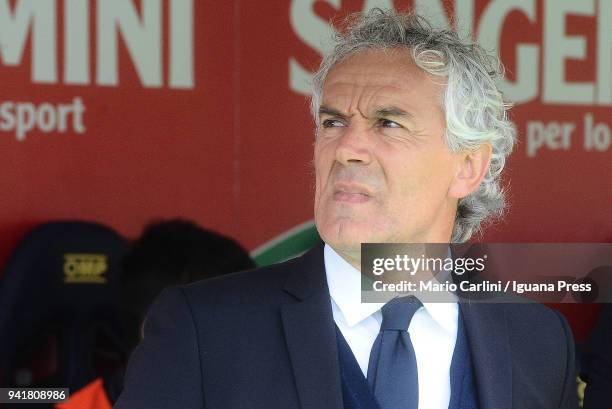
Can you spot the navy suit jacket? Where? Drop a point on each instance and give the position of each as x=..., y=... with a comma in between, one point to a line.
x=266, y=339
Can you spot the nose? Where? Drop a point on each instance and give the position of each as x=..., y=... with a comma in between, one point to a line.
x=354, y=147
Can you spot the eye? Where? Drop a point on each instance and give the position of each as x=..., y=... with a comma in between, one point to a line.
x=387, y=123
x=332, y=123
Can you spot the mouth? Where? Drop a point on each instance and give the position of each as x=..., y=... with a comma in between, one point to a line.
x=351, y=193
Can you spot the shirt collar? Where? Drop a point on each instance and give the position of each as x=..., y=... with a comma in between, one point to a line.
x=344, y=282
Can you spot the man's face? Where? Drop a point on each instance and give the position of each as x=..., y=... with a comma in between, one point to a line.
x=383, y=170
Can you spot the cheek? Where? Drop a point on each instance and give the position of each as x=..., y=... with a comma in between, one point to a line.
x=323, y=160
x=429, y=192
x=320, y=176
x=414, y=185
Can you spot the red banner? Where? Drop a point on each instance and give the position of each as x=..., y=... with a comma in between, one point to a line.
x=122, y=111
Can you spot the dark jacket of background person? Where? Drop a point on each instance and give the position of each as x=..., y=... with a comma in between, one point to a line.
x=266, y=339
x=596, y=368
x=167, y=253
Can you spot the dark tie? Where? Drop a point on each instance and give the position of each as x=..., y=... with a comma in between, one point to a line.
x=392, y=369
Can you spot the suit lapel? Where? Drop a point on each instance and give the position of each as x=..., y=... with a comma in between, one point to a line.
x=486, y=330
x=309, y=331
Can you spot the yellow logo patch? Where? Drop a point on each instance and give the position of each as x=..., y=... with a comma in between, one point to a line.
x=85, y=268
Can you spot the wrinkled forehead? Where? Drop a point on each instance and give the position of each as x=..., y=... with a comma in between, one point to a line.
x=373, y=78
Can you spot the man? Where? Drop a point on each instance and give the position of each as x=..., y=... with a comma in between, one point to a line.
x=412, y=136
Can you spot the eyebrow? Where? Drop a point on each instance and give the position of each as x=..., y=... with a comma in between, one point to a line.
x=378, y=112
x=392, y=111
x=325, y=110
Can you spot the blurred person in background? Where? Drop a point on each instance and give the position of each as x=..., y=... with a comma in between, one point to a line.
x=596, y=359
x=167, y=253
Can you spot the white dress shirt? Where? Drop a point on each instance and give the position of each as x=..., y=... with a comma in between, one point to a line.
x=433, y=330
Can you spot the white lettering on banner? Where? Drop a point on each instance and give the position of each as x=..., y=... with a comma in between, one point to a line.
x=76, y=50
x=604, y=53
x=23, y=117
x=553, y=135
x=181, y=44
x=116, y=19
x=314, y=32
x=525, y=86
x=556, y=46
x=558, y=135
x=433, y=11
x=464, y=17
x=143, y=40
x=14, y=26
x=596, y=136
x=560, y=47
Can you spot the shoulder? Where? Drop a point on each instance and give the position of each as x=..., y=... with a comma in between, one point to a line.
x=521, y=313
x=529, y=326
x=542, y=347
x=257, y=286
x=536, y=318
x=539, y=335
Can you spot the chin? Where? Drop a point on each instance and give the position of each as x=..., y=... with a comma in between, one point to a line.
x=347, y=234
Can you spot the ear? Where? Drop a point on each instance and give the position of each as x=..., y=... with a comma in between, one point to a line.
x=472, y=168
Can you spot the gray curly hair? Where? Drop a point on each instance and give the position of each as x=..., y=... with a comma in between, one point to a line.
x=474, y=107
